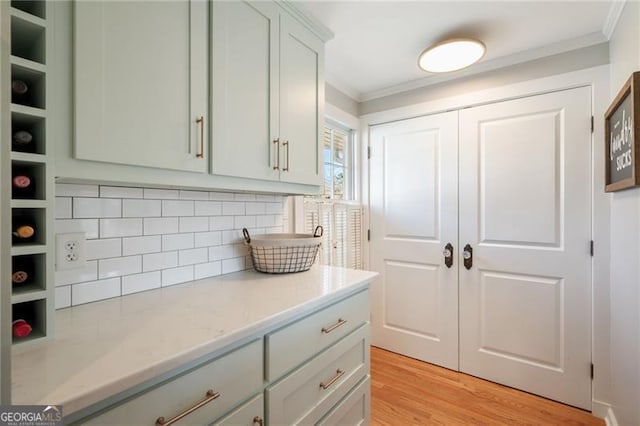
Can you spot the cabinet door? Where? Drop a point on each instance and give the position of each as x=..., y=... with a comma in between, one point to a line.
x=141, y=83
x=301, y=103
x=244, y=55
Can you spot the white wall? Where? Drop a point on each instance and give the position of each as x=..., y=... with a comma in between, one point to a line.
x=625, y=245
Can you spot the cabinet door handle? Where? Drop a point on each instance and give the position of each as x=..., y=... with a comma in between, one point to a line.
x=328, y=330
x=339, y=374
x=286, y=167
x=448, y=255
x=258, y=420
x=277, y=151
x=200, y=121
x=210, y=396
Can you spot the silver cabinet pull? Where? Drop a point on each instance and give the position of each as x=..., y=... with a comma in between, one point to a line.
x=339, y=374
x=200, y=121
x=328, y=330
x=277, y=151
x=210, y=396
x=286, y=168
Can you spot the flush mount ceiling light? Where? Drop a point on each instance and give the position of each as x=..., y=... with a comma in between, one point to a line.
x=451, y=55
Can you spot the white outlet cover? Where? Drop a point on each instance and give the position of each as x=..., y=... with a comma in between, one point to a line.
x=70, y=251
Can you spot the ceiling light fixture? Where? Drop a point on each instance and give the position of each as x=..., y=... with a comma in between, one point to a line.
x=451, y=55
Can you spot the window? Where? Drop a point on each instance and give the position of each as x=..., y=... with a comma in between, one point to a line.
x=336, y=210
x=338, y=157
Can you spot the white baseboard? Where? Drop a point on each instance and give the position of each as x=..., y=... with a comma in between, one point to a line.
x=610, y=420
x=600, y=409
x=604, y=411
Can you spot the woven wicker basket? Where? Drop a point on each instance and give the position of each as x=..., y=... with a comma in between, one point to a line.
x=283, y=253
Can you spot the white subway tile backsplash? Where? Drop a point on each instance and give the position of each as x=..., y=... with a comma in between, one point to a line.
x=177, y=275
x=194, y=195
x=262, y=197
x=193, y=256
x=89, y=226
x=245, y=197
x=233, y=209
x=208, y=208
x=96, y=207
x=233, y=265
x=205, y=239
x=72, y=276
x=104, y=248
x=221, y=196
x=141, y=282
x=206, y=270
x=144, y=238
x=220, y=223
x=119, y=266
x=177, y=242
x=234, y=236
x=256, y=208
x=177, y=208
x=161, y=194
x=165, y=225
x=63, y=208
x=194, y=224
x=221, y=252
x=120, y=192
x=158, y=261
x=141, y=208
x=95, y=290
x=141, y=245
x=74, y=190
x=273, y=208
x=63, y=297
x=110, y=228
x=240, y=222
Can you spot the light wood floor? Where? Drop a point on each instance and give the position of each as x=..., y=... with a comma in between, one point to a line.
x=405, y=391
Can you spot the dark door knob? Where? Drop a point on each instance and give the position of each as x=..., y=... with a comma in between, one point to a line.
x=467, y=255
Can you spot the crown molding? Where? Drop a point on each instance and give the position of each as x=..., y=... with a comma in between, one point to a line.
x=302, y=14
x=615, y=11
x=494, y=64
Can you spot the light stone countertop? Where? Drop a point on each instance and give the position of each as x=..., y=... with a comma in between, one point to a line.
x=106, y=347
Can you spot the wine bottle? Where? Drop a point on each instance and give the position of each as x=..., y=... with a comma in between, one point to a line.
x=19, y=91
x=23, y=270
x=24, y=229
x=21, y=328
x=23, y=141
x=22, y=184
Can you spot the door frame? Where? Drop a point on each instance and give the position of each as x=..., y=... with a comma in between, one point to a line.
x=597, y=78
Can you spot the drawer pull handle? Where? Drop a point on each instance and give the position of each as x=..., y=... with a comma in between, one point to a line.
x=339, y=374
x=211, y=395
x=258, y=420
x=334, y=326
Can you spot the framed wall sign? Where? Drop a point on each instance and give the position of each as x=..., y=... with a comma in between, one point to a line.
x=622, y=138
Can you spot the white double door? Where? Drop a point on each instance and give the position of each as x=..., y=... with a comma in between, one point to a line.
x=511, y=180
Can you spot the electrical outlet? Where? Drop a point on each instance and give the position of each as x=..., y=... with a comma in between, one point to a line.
x=70, y=251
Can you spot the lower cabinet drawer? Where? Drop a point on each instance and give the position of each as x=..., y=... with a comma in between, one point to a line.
x=309, y=393
x=178, y=395
x=354, y=409
x=294, y=344
x=248, y=414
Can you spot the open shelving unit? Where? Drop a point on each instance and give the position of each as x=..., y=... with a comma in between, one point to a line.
x=32, y=298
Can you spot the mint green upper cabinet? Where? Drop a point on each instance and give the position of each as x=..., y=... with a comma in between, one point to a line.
x=244, y=89
x=267, y=94
x=141, y=83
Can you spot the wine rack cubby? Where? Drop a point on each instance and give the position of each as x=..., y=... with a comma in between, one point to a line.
x=32, y=197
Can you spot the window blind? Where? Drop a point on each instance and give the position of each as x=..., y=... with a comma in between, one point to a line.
x=342, y=237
